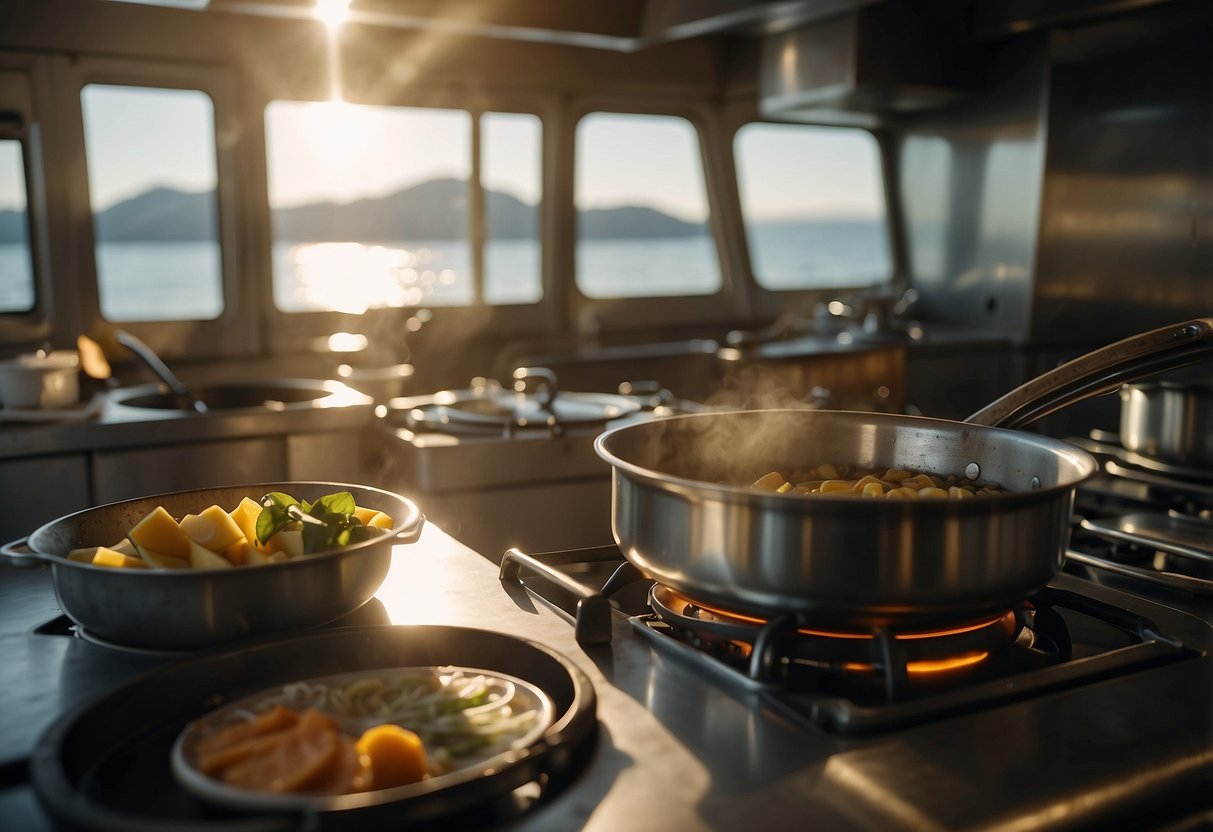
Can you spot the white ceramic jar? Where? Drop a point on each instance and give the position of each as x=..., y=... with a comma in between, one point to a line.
x=40, y=380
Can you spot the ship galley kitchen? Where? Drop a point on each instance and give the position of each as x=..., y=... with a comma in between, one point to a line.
x=647, y=414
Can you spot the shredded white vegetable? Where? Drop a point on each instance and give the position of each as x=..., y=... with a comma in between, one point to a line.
x=455, y=713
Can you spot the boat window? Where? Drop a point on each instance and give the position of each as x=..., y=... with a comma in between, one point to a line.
x=813, y=206
x=152, y=185
x=510, y=173
x=16, y=261
x=642, y=208
x=369, y=206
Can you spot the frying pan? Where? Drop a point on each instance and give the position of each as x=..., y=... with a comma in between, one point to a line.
x=682, y=511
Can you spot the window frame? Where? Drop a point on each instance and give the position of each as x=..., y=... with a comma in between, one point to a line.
x=24, y=328
x=648, y=312
x=767, y=304
x=291, y=331
x=234, y=332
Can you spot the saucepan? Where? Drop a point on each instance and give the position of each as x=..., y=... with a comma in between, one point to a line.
x=683, y=511
x=185, y=609
x=1171, y=421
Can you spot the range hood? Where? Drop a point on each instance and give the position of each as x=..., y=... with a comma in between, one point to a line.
x=866, y=65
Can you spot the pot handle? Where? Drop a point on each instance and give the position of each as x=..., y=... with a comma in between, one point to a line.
x=412, y=531
x=1099, y=372
x=21, y=559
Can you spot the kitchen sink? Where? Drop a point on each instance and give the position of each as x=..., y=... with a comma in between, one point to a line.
x=276, y=395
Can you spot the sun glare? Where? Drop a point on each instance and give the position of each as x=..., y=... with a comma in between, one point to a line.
x=332, y=12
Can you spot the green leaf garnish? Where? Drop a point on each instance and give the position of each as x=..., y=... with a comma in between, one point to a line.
x=328, y=523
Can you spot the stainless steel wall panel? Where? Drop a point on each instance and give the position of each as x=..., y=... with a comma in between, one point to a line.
x=1126, y=238
x=970, y=181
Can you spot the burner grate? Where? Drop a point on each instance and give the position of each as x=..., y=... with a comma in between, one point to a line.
x=1066, y=640
x=1058, y=639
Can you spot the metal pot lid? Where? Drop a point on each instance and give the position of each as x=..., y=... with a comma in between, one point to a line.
x=533, y=403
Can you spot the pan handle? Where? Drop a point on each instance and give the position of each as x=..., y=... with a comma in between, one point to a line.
x=412, y=530
x=23, y=559
x=1099, y=372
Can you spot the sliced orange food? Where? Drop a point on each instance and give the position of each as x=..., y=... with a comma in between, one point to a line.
x=347, y=772
x=298, y=760
x=244, y=740
x=275, y=719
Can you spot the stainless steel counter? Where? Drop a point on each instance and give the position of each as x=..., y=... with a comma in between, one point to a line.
x=677, y=751
x=116, y=426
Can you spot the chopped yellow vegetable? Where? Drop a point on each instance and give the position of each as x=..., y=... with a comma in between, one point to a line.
x=160, y=560
x=364, y=515
x=83, y=555
x=245, y=516
x=159, y=532
x=379, y=520
x=287, y=541
x=125, y=547
x=116, y=560
x=213, y=527
x=203, y=558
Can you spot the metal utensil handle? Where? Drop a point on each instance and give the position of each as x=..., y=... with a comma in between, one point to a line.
x=1101, y=371
x=136, y=345
x=592, y=617
x=23, y=559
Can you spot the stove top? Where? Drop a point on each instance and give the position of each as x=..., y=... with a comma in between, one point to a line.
x=678, y=747
x=1146, y=524
x=1065, y=636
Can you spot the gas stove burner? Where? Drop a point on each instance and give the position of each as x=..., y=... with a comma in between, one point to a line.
x=856, y=682
x=771, y=646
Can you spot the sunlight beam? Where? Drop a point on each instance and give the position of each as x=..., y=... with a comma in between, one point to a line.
x=332, y=12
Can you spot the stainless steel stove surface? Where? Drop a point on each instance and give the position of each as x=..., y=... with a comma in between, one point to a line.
x=678, y=748
x=1144, y=523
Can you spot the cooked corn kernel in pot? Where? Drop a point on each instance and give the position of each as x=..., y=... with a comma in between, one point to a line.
x=893, y=483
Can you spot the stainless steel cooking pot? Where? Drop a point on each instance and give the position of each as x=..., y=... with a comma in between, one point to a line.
x=683, y=513
x=1170, y=421
x=182, y=609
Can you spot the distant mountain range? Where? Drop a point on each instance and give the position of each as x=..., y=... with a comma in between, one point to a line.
x=433, y=210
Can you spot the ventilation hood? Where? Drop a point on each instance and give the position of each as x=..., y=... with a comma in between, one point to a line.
x=866, y=65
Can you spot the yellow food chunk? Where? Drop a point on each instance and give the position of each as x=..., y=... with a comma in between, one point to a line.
x=768, y=482
x=116, y=560
x=245, y=517
x=213, y=527
x=125, y=547
x=287, y=541
x=161, y=560
x=159, y=532
x=203, y=558
x=396, y=756
x=364, y=515
x=240, y=553
x=381, y=521
x=83, y=555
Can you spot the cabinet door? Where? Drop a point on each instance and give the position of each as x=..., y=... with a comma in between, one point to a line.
x=38, y=490
x=119, y=475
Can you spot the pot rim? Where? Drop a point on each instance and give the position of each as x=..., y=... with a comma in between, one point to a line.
x=405, y=529
x=1086, y=464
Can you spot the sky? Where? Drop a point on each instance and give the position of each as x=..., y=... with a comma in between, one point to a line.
x=139, y=138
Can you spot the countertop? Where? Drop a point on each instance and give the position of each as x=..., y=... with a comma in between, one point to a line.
x=676, y=751
x=111, y=425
